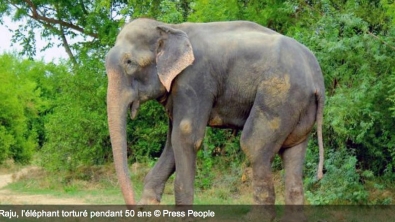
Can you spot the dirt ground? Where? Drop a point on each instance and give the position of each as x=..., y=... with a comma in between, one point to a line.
x=11, y=197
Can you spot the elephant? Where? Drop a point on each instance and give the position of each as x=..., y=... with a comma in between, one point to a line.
x=236, y=74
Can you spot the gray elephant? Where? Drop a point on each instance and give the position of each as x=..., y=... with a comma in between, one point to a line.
x=236, y=75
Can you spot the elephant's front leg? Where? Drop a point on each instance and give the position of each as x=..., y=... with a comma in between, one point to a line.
x=186, y=140
x=191, y=111
x=154, y=182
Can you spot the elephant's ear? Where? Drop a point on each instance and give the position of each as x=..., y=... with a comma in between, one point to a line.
x=174, y=54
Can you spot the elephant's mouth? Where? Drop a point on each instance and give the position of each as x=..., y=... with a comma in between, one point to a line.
x=134, y=107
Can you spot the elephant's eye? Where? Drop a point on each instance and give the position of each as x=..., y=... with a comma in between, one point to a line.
x=127, y=60
x=130, y=66
x=130, y=62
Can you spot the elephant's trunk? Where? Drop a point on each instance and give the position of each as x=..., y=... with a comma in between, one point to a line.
x=117, y=106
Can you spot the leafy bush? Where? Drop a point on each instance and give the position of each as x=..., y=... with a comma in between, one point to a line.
x=213, y=10
x=220, y=152
x=147, y=133
x=341, y=183
x=357, y=61
x=21, y=107
x=205, y=171
x=77, y=132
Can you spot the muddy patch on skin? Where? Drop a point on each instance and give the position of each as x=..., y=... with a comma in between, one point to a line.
x=277, y=88
x=215, y=121
x=275, y=123
x=186, y=126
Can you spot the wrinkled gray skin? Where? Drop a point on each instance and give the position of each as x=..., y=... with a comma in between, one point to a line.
x=224, y=74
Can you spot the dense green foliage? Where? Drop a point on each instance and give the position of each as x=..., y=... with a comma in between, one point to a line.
x=358, y=67
x=25, y=98
x=59, y=110
x=76, y=129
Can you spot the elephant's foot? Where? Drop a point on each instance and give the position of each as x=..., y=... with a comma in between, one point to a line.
x=149, y=198
x=261, y=213
x=294, y=217
x=294, y=213
x=148, y=202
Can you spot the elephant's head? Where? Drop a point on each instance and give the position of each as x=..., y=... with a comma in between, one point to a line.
x=147, y=56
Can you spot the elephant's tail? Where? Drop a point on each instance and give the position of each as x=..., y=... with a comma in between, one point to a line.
x=319, y=118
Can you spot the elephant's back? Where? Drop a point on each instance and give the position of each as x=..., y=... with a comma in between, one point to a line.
x=223, y=27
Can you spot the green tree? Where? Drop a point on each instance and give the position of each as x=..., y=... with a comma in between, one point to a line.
x=352, y=41
x=23, y=103
x=93, y=21
x=214, y=10
x=76, y=127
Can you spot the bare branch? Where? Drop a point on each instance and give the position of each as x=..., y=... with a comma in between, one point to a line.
x=36, y=16
x=67, y=47
x=64, y=40
x=376, y=37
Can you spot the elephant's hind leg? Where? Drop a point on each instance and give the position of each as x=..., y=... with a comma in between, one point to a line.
x=261, y=139
x=293, y=159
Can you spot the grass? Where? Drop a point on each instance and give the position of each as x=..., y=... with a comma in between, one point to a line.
x=40, y=182
x=227, y=188
x=98, y=185
x=8, y=166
